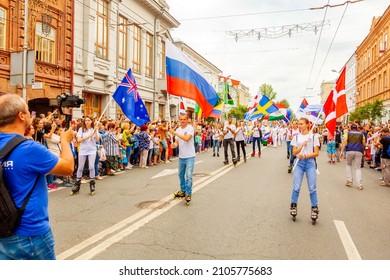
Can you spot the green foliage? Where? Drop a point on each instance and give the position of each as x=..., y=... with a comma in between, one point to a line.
x=238, y=112
x=372, y=111
x=268, y=91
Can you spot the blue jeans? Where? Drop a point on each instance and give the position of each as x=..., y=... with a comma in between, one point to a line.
x=308, y=166
x=216, y=145
x=288, y=142
x=186, y=169
x=292, y=157
x=256, y=139
x=18, y=247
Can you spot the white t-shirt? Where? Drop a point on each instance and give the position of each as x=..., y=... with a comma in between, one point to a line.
x=309, y=148
x=53, y=144
x=240, y=134
x=229, y=134
x=186, y=148
x=256, y=132
x=87, y=147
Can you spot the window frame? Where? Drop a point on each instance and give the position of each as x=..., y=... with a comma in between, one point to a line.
x=137, y=49
x=101, y=44
x=149, y=55
x=123, y=24
x=3, y=29
x=45, y=46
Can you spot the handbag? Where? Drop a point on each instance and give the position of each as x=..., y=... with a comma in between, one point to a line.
x=131, y=139
x=102, y=154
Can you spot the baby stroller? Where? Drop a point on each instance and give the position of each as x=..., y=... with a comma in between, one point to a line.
x=367, y=155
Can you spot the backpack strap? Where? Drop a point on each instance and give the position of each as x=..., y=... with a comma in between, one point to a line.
x=11, y=145
x=7, y=149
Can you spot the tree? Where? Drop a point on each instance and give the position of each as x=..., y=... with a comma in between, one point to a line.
x=238, y=112
x=371, y=111
x=376, y=110
x=268, y=91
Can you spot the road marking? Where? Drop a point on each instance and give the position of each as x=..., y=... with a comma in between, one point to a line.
x=347, y=241
x=144, y=216
x=167, y=172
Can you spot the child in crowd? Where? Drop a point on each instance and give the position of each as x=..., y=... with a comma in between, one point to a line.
x=156, y=148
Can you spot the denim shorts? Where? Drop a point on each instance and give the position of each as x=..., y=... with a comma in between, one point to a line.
x=18, y=247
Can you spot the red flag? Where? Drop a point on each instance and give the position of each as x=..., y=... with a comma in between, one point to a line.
x=182, y=107
x=336, y=104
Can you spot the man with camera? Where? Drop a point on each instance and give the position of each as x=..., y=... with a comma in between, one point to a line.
x=32, y=238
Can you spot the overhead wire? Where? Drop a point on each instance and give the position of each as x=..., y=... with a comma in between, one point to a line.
x=331, y=43
x=315, y=54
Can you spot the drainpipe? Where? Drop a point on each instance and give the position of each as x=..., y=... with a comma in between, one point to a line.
x=24, y=62
x=154, y=66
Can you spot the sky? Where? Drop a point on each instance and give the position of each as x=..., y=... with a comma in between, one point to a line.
x=294, y=66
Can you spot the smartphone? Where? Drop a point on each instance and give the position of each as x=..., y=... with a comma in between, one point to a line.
x=33, y=114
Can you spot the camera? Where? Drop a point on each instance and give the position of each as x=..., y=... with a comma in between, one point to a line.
x=66, y=100
x=69, y=100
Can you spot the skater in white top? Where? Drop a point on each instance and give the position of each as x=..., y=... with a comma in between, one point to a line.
x=306, y=149
x=184, y=139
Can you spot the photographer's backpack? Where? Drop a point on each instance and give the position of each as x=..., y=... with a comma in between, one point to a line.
x=10, y=215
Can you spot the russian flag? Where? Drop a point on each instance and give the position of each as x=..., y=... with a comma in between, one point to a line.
x=185, y=78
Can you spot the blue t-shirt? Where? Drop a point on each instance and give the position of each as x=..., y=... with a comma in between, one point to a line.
x=29, y=160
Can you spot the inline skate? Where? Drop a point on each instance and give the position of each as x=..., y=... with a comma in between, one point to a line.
x=188, y=199
x=293, y=211
x=179, y=194
x=76, y=187
x=314, y=214
x=92, y=186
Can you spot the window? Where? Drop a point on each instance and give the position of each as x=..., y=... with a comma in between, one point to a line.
x=365, y=63
x=161, y=111
x=162, y=62
x=149, y=55
x=368, y=59
x=45, y=48
x=385, y=81
x=137, y=50
x=373, y=87
x=368, y=90
x=3, y=27
x=122, y=42
x=102, y=29
x=380, y=83
x=385, y=43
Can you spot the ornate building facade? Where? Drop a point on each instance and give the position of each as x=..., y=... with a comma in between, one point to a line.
x=373, y=64
x=49, y=42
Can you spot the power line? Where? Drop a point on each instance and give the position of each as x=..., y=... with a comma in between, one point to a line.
x=242, y=15
x=330, y=46
x=315, y=54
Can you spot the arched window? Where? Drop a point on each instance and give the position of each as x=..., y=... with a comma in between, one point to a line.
x=3, y=27
x=45, y=45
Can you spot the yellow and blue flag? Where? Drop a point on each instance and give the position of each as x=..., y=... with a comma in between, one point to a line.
x=262, y=108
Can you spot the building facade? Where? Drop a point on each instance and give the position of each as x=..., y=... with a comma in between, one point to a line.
x=110, y=38
x=47, y=35
x=373, y=64
x=350, y=85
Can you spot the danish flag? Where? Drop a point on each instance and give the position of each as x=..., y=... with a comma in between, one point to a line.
x=336, y=104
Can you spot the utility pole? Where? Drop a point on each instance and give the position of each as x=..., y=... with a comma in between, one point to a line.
x=24, y=57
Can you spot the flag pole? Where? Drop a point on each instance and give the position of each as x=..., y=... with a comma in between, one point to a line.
x=105, y=109
x=311, y=130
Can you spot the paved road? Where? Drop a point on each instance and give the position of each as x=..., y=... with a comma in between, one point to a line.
x=237, y=212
